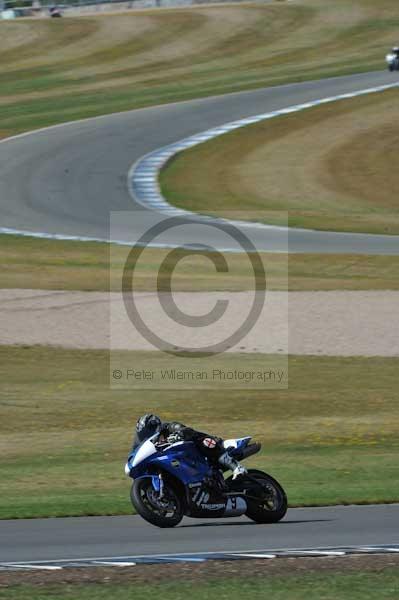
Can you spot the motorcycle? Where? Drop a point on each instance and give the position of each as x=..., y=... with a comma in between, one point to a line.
x=392, y=59
x=172, y=480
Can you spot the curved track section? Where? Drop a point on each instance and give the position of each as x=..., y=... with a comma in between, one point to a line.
x=64, y=181
x=125, y=538
x=144, y=175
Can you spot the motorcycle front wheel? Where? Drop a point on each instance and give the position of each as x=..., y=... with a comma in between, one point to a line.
x=270, y=504
x=163, y=512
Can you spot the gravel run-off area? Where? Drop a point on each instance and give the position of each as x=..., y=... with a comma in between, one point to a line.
x=340, y=323
x=200, y=572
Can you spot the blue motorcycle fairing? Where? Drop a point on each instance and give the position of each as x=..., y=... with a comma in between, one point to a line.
x=186, y=464
x=238, y=444
x=243, y=442
x=183, y=460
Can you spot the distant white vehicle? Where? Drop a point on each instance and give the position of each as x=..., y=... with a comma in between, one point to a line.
x=392, y=59
x=18, y=11
x=8, y=14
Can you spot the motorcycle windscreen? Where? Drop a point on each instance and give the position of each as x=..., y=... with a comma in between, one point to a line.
x=144, y=451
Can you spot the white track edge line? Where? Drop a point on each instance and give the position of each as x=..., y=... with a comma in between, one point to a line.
x=198, y=553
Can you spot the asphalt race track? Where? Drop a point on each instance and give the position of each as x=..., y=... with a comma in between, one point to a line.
x=91, y=537
x=66, y=180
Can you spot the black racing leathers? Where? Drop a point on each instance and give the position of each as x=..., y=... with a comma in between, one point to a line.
x=210, y=445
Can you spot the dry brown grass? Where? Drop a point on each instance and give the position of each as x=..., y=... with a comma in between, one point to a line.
x=30, y=263
x=332, y=167
x=59, y=70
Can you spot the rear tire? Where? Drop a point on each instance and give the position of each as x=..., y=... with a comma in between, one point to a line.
x=166, y=513
x=272, y=506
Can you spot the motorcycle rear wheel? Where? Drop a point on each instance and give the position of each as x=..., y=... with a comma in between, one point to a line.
x=272, y=506
x=167, y=512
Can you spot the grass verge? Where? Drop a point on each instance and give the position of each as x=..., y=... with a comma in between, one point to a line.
x=343, y=182
x=332, y=437
x=30, y=263
x=304, y=586
x=60, y=70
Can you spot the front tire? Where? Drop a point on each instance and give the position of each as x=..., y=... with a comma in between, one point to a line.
x=272, y=504
x=167, y=512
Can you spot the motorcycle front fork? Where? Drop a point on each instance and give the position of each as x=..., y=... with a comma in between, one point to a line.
x=161, y=486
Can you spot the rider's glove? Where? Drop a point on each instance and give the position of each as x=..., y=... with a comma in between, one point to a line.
x=173, y=438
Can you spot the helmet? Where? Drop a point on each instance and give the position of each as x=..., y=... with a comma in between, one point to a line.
x=147, y=425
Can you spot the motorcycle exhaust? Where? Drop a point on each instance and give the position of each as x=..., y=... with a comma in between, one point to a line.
x=249, y=451
x=235, y=507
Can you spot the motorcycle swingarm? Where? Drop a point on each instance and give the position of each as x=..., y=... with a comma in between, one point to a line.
x=248, y=479
x=252, y=483
x=241, y=495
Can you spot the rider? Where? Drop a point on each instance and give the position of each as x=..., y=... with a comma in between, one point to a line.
x=173, y=431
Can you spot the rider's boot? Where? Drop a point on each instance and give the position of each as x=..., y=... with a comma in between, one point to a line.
x=230, y=463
